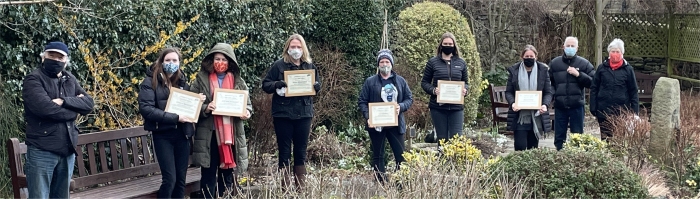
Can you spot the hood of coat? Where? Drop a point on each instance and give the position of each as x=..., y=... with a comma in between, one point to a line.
x=225, y=49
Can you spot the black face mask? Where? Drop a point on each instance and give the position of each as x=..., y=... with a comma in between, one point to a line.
x=53, y=67
x=529, y=62
x=448, y=49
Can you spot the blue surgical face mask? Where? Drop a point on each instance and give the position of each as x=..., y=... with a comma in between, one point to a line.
x=570, y=51
x=170, y=67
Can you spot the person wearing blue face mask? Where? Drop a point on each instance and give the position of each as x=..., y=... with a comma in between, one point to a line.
x=569, y=75
x=171, y=132
x=385, y=86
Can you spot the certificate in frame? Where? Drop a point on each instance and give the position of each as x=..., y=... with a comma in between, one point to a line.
x=450, y=92
x=528, y=100
x=383, y=114
x=184, y=103
x=300, y=82
x=230, y=102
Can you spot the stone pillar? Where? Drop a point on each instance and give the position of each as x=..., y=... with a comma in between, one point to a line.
x=665, y=116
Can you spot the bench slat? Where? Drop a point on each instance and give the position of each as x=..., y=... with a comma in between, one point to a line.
x=115, y=175
x=113, y=150
x=103, y=156
x=144, y=147
x=138, y=188
x=111, y=135
x=80, y=161
x=91, y=158
x=135, y=151
x=125, y=153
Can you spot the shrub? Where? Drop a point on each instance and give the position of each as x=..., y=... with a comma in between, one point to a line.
x=12, y=126
x=336, y=104
x=460, y=150
x=571, y=174
x=584, y=142
x=419, y=30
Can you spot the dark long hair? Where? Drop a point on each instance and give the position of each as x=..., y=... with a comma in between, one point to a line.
x=158, y=68
x=208, y=64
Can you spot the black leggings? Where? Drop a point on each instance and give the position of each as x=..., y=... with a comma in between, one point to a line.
x=396, y=142
x=524, y=139
x=173, y=153
x=290, y=132
x=210, y=180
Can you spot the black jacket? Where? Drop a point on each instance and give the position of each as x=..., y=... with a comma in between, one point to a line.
x=543, y=85
x=289, y=107
x=568, y=89
x=152, y=104
x=437, y=69
x=371, y=92
x=614, y=89
x=51, y=127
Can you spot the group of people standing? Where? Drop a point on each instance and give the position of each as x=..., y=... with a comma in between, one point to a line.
x=53, y=98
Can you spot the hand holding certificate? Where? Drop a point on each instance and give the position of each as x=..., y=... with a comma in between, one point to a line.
x=184, y=103
x=300, y=82
x=383, y=114
x=528, y=100
x=450, y=92
x=230, y=102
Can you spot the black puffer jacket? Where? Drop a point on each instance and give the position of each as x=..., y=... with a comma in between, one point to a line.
x=152, y=104
x=614, y=89
x=543, y=85
x=289, y=107
x=438, y=69
x=51, y=127
x=568, y=89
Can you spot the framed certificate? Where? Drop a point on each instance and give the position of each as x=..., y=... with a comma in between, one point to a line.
x=184, y=103
x=300, y=82
x=528, y=100
x=230, y=102
x=450, y=92
x=383, y=114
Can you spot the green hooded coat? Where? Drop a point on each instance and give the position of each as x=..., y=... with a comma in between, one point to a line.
x=205, y=125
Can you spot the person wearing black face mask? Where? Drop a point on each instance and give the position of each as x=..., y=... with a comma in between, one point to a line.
x=528, y=126
x=53, y=98
x=448, y=119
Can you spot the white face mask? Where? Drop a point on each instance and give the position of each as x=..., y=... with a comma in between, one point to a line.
x=295, y=53
x=385, y=69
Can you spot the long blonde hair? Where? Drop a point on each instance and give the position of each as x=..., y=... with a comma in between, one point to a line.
x=305, y=56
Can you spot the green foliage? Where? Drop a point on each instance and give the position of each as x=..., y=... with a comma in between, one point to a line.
x=12, y=126
x=584, y=142
x=498, y=77
x=571, y=174
x=692, y=175
x=419, y=31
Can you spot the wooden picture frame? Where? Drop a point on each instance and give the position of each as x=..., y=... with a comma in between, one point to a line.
x=450, y=87
x=298, y=82
x=384, y=106
x=528, y=100
x=240, y=94
x=185, y=103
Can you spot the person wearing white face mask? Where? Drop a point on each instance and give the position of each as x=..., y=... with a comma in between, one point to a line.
x=385, y=86
x=569, y=75
x=291, y=115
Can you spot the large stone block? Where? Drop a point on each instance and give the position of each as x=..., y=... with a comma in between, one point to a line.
x=665, y=116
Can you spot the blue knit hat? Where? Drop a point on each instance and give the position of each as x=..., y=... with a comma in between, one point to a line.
x=58, y=47
x=385, y=53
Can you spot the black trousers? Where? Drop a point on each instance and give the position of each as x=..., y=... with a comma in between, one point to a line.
x=448, y=123
x=378, y=142
x=213, y=176
x=292, y=131
x=524, y=139
x=173, y=153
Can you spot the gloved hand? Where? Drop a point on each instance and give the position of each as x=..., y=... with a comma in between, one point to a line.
x=280, y=84
x=317, y=86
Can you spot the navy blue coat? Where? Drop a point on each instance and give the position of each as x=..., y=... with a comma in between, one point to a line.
x=371, y=92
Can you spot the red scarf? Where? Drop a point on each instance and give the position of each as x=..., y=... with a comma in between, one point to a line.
x=224, y=124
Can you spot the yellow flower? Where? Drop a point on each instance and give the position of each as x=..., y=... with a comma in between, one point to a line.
x=691, y=183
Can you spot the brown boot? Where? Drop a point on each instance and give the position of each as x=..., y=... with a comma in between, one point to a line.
x=300, y=177
x=286, y=181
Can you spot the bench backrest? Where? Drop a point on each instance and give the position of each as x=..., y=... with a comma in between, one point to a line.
x=103, y=157
x=646, y=82
x=499, y=104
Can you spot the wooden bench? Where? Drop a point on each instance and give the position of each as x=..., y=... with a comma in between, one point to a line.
x=645, y=84
x=111, y=164
x=500, y=106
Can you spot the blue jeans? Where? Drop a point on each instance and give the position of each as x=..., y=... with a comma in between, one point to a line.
x=448, y=123
x=562, y=119
x=48, y=174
